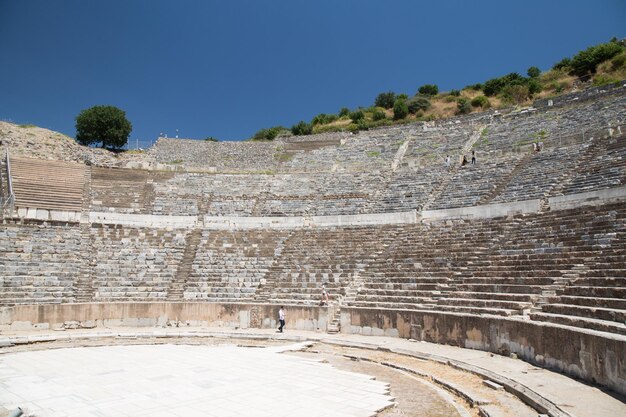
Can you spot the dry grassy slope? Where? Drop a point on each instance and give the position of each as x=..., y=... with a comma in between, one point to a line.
x=35, y=142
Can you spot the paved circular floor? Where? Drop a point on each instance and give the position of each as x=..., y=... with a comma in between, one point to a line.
x=183, y=380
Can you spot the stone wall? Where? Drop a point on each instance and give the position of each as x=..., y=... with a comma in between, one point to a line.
x=591, y=356
x=150, y=314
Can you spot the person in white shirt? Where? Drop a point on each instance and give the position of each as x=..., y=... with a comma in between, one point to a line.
x=281, y=318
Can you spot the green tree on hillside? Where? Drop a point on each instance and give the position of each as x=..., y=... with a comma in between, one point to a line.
x=585, y=62
x=533, y=72
x=302, y=128
x=103, y=124
x=400, y=109
x=270, y=133
x=429, y=90
x=385, y=100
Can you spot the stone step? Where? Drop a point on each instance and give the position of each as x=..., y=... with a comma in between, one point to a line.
x=582, y=322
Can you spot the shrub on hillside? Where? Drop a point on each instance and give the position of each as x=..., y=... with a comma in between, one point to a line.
x=385, y=100
x=456, y=93
x=618, y=62
x=585, y=62
x=418, y=103
x=302, y=128
x=270, y=133
x=323, y=119
x=495, y=85
x=603, y=79
x=533, y=72
x=475, y=87
x=378, y=114
x=516, y=94
x=463, y=105
x=480, y=101
x=534, y=86
x=355, y=116
x=429, y=90
x=400, y=110
x=344, y=112
x=362, y=124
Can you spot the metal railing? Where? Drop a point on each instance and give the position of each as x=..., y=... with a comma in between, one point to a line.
x=9, y=200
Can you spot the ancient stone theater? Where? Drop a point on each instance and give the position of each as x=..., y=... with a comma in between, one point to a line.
x=498, y=286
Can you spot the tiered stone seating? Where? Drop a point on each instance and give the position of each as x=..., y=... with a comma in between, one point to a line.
x=229, y=265
x=432, y=267
x=51, y=185
x=407, y=190
x=501, y=266
x=471, y=183
x=578, y=121
x=311, y=258
x=38, y=264
x=251, y=157
x=594, y=294
x=541, y=173
x=431, y=144
x=124, y=190
x=365, y=151
x=134, y=264
x=606, y=169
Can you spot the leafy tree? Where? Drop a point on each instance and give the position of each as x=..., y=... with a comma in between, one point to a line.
x=103, y=124
x=385, y=100
x=463, y=105
x=429, y=90
x=533, y=72
x=585, y=62
x=418, y=103
x=562, y=64
x=302, y=128
x=400, y=110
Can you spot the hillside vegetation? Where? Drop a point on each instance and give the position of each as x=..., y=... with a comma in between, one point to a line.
x=595, y=66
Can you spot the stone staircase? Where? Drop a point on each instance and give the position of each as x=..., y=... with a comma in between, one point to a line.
x=183, y=272
x=83, y=289
x=51, y=185
x=441, y=187
x=504, y=180
x=595, y=147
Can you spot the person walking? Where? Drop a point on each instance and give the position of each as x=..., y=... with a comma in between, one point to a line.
x=281, y=318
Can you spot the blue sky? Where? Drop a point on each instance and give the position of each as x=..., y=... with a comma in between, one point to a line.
x=229, y=68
